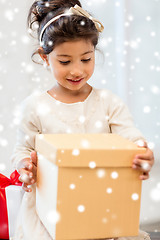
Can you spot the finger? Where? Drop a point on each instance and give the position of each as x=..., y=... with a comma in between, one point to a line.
x=33, y=169
x=28, y=165
x=147, y=155
x=25, y=176
x=26, y=187
x=145, y=164
x=31, y=174
x=144, y=176
x=23, y=162
x=34, y=157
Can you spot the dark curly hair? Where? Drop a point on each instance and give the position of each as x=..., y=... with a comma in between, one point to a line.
x=62, y=30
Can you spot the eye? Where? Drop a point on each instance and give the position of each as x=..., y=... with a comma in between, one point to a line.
x=64, y=62
x=86, y=60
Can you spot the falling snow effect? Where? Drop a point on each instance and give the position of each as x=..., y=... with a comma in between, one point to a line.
x=137, y=57
x=81, y=208
x=135, y=196
x=155, y=193
x=72, y=186
x=109, y=190
x=2, y=167
x=53, y=217
x=101, y=173
x=75, y=152
x=114, y=175
x=85, y=143
x=92, y=164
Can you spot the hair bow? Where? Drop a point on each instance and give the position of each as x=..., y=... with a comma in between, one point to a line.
x=80, y=11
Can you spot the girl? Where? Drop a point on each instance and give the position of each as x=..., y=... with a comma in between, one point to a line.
x=67, y=36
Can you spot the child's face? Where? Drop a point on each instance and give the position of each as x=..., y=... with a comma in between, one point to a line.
x=72, y=63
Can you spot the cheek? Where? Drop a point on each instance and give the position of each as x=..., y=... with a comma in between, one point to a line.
x=58, y=71
x=91, y=68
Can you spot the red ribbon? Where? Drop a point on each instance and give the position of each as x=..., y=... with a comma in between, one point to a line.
x=5, y=182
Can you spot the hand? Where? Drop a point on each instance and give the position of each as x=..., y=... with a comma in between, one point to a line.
x=28, y=171
x=144, y=162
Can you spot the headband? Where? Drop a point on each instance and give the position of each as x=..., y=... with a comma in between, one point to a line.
x=77, y=11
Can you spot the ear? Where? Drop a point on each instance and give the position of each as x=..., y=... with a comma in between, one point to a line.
x=43, y=56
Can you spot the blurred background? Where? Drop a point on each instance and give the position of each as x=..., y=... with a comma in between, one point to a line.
x=128, y=64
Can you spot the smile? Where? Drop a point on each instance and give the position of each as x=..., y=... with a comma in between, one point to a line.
x=75, y=81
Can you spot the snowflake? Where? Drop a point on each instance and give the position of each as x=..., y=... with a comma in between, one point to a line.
x=140, y=143
x=109, y=190
x=133, y=44
x=104, y=220
x=85, y=143
x=50, y=43
x=148, y=18
x=53, y=217
x=81, y=208
x=53, y=155
x=141, y=89
x=114, y=175
x=151, y=145
x=98, y=124
x=25, y=39
x=82, y=23
x=43, y=109
x=101, y=173
x=92, y=164
x=103, y=42
x=82, y=118
x=155, y=89
x=3, y=142
x=137, y=60
x=117, y=4
x=156, y=54
x=47, y=4
x=146, y=109
x=152, y=67
x=153, y=34
x=2, y=166
x=103, y=81
x=16, y=10
x=1, y=127
x=9, y=15
x=145, y=166
x=135, y=196
x=75, y=152
x=155, y=193
x=13, y=42
x=29, y=68
x=130, y=18
x=41, y=136
x=72, y=186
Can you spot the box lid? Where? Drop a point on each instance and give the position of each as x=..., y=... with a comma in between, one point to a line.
x=87, y=150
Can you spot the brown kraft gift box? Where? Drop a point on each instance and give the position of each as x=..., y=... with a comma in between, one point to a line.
x=86, y=187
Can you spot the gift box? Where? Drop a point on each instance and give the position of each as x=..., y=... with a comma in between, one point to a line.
x=86, y=187
x=10, y=199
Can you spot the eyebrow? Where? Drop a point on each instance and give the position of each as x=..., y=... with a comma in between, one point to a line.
x=65, y=55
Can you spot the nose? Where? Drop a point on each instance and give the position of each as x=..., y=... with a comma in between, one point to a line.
x=76, y=70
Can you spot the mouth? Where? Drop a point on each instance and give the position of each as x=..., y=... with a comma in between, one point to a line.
x=75, y=81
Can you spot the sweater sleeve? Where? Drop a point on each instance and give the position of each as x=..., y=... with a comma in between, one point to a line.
x=29, y=126
x=121, y=122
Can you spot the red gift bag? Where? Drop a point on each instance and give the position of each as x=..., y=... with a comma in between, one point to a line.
x=5, y=182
